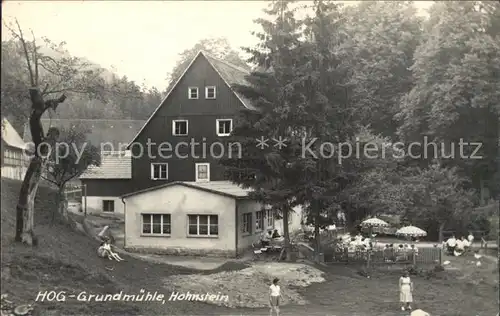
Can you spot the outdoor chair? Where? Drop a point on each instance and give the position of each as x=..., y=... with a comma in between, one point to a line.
x=450, y=250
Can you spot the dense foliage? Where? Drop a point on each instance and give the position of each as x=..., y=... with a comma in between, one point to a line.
x=374, y=75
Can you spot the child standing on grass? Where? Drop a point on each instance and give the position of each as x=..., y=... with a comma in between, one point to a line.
x=275, y=297
x=405, y=291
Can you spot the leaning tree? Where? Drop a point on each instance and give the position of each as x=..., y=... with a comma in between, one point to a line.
x=60, y=75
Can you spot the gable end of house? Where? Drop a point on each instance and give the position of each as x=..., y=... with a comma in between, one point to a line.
x=230, y=75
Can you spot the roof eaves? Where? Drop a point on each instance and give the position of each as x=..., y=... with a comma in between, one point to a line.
x=240, y=98
x=233, y=196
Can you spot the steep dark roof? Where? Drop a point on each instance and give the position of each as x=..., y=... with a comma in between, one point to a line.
x=102, y=131
x=231, y=74
x=225, y=188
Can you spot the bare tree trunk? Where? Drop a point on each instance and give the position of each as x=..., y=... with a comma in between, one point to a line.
x=62, y=205
x=25, y=218
x=286, y=233
x=61, y=212
x=441, y=229
x=317, y=237
x=25, y=211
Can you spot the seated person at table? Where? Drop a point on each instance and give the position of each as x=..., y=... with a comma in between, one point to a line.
x=392, y=252
x=359, y=237
x=400, y=253
x=459, y=248
x=387, y=252
x=266, y=238
x=470, y=238
x=466, y=244
x=414, y=250
x=276, y=234
x=451, y=243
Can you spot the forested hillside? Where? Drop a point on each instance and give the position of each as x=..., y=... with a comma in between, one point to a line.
x=117, y=98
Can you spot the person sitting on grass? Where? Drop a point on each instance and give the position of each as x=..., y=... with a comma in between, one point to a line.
x=104, y=251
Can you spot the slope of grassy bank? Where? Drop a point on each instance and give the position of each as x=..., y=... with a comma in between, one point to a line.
x=66, y=260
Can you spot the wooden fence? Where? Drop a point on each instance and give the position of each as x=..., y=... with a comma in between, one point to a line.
x=425, y=256
x=306, y=251
x=73, y=193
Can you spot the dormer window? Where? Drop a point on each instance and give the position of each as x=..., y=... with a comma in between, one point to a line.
x=193, y=93
x=210, y=92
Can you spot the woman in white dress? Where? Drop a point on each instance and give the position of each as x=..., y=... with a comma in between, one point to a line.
x=405, y=291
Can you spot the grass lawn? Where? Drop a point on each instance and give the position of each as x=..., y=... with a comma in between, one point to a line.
x=66, y=260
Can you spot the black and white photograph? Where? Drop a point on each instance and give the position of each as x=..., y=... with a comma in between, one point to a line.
x=266, y=157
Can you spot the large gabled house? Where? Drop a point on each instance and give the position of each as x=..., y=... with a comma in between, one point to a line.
x=14, y=153
x=177, y=199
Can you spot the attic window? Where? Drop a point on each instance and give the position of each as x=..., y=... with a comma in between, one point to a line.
x=193, y=93
x=210, y=92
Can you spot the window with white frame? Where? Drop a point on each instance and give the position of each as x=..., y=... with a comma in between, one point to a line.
x=203, y=225
x=270, y=218
x=159, y=171
x=246, y=227
x=156, y=224
x=202, y=172
x=179, y=127
x=193, y=93
x=259, y=221
x=224, y=127
x=210, y=92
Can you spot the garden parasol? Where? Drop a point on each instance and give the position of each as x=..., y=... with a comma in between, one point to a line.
x=374, y=222
x=411, y=231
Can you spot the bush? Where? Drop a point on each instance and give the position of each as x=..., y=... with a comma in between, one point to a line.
x=493, y=231
x=415, y=271
x=438, y=268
